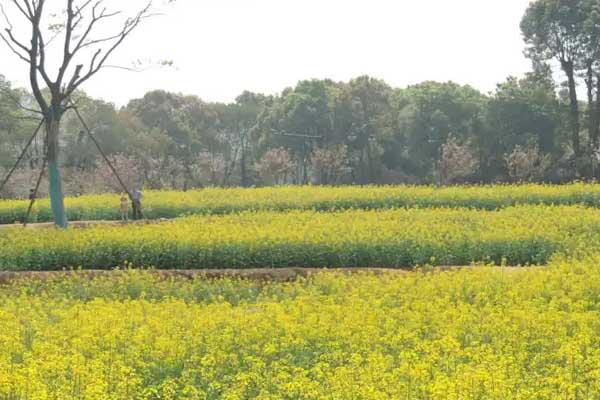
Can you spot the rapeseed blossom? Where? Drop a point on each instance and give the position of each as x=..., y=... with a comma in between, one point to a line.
x=171, y=204
x=354, y=238
x=482, y=333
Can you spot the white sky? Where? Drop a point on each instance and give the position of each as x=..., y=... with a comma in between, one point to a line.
x=222, y=47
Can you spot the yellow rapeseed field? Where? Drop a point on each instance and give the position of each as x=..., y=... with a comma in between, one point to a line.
x=221, y=201
x=355, y=238
x=473, y=334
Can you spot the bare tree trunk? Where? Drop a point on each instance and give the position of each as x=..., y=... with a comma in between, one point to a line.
x=229, y=169
x=596, y=112
x=304, y=169
x=188, y=175
x=371, y=178
x=589, y=82
x=243, y=170
x=361, y=166
x=569, y=70
x=57, y=201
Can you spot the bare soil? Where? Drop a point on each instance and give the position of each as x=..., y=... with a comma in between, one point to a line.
x=262, y=274
x=84, y=224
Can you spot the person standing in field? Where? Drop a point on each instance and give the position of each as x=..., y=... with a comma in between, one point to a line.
x=124, y=208
x=136, y=203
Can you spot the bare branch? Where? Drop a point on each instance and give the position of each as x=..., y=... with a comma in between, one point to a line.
x=76, y=75
x=68, y=33
x=28, y=117
x=74, y=103
x=76, y=14
x=57, y=34
x=15, y=41
x=10, y=94
x=5, y=17
x=42, y=63
x=95, y=19
x=13, y=49
x=130, y=69
x=10, y=40
x=38, y=9
x=68, y=54
x=79, y=12
x=69, y=29
x=95, y=64
x=98, y=41
x=28, y=14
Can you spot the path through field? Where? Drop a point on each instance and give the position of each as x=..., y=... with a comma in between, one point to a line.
x=259, y=274
x=84, y=224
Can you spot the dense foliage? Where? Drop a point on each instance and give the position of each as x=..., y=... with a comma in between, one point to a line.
x=391, y=238
x=216, y=201
x=320, y=131
x=482, y=333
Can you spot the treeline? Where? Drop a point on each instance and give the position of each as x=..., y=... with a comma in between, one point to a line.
x=359, y=132
x=319, y=132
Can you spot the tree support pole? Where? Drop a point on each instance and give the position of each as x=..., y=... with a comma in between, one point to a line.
x=89, y=132
x=14, y=168
x=35, y=192
x=37, y=185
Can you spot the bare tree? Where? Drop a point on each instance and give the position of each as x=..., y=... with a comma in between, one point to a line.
x=527, y=163
x=81, y=35
x=275, y=166
x=330, y=164
x=458, y=161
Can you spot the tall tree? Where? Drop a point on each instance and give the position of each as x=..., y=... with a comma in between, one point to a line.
x=238, y=123
x=522, y=112
x=298, y=121
x=77, y=29
x=190, y=123
x=426, y=115
x=372, y=123
x=553, y=29
x=591, y=65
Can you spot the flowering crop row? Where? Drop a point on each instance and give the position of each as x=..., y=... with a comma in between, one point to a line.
x=472, y=334
x=355, y=238
x=223, y=201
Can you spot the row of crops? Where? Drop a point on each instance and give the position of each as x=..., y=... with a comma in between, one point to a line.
x=472, y=334
x=223, y=201
x=475, y=333
x=354, y=238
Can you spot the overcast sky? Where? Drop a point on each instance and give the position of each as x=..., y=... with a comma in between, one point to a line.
x=222, y=47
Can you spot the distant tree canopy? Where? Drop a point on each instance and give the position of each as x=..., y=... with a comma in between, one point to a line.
x=568, y=32
x=363, y=131
x=321, y=132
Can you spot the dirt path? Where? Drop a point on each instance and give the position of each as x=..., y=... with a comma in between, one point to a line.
x=262, y=274
x=84, y=224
